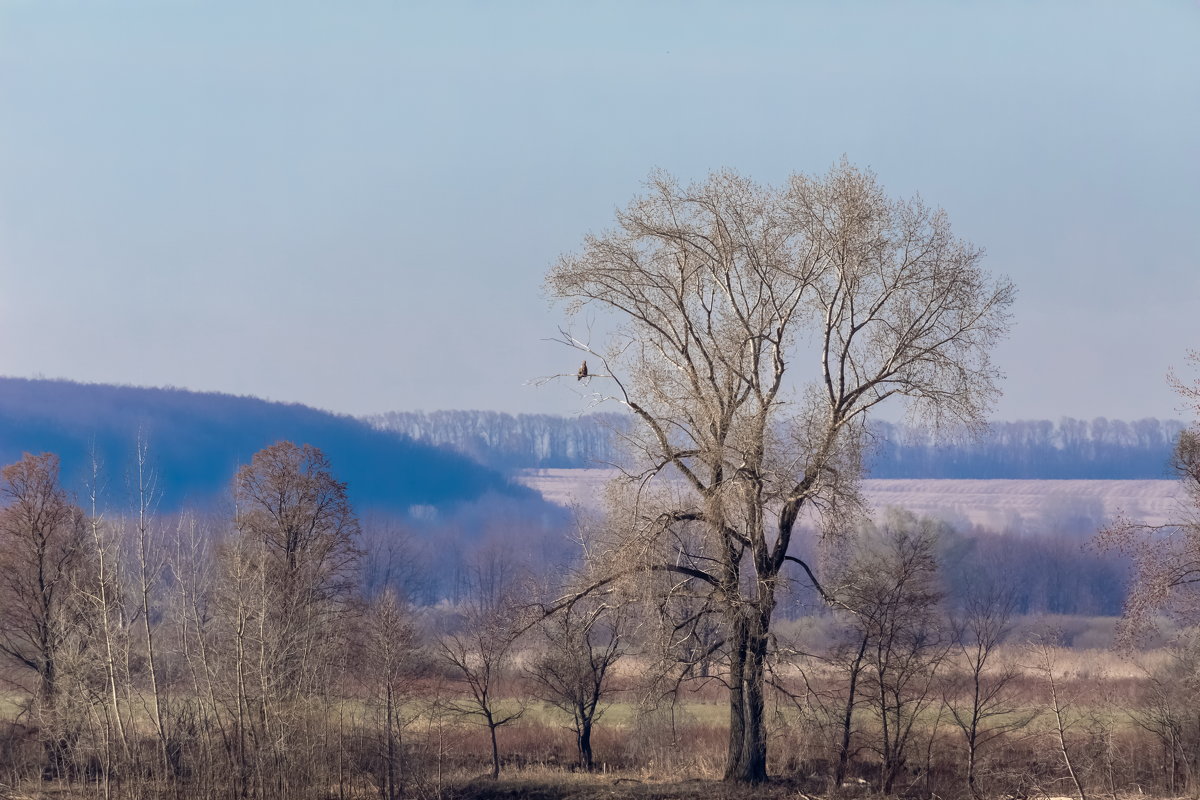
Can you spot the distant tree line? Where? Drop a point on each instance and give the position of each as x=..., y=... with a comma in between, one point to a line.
x=1034, y=449
x=516, y=441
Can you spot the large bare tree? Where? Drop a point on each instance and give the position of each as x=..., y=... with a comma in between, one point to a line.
x=714, y=291
x=42, y=548
x=285, y=593
x=42, y=558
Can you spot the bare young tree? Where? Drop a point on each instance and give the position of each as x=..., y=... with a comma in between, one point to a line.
x=983, y=701
x=150, y=563
x=479, y=656
x=714, y=291
x=201, y=642
x=1062, y=710
x=102, y=592
x=851, y=661
x=1166, y=709
x=573, y=673
x=891, y=588
x=479, y=651
x=390, y=651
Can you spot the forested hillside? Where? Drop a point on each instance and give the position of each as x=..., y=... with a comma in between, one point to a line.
x=1070, y=448
x=196, y=441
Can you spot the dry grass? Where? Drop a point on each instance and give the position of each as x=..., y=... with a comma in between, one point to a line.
x=678, y=751
x=532, y=786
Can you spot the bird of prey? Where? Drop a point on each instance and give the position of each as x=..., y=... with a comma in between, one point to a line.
x=583, y=373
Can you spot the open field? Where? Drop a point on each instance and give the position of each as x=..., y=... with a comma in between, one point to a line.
x=1013, y=505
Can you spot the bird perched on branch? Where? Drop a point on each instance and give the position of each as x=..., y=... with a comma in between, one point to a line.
x=583, y=373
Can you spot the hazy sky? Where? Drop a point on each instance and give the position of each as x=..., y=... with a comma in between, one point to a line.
x=352, y=205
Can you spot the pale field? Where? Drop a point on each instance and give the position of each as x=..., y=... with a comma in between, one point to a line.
x=1003, y=505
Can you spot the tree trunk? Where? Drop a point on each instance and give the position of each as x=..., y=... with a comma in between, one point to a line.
x=891, y=769
x=887, y=754
x=734, y=766
x=495, y=752
x=971, y=771
x=55, y=745
x=391, y=745
x=584, y=740
x=839, y=774
x=747, y=761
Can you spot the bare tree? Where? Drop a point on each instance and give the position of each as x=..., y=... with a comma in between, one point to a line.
x=1166, y=557
x=390, y=649
x=295, y=519
x=201, y=641
x=714, y=290
x=150, y=563
x=890, y=586
x=289, y=500
x=103, y=598
x=479, y=652
x=42, y=545
x=573, y=671
x=479, y=656
x=42, y=551
x=1166, y=709
x=1062, y=710
x=850, y=660
x=983, y=704
x=287, y=580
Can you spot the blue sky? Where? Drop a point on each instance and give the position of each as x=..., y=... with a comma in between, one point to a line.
x=352, y=205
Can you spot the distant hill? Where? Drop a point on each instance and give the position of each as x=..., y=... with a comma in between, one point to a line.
x=1026, y=449
x=197, y=440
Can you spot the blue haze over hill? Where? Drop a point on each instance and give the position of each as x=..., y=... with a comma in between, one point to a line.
x=197, y=441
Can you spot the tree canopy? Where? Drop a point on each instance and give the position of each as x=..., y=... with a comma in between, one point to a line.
x=719, y=294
